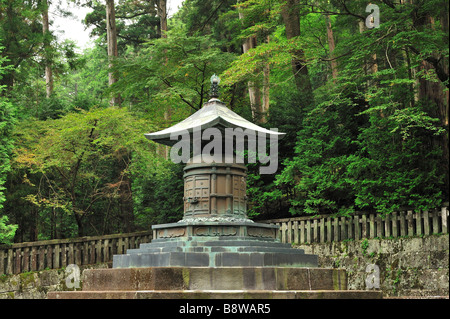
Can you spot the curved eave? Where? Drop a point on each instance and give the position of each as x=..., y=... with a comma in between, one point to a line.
x=213, y=114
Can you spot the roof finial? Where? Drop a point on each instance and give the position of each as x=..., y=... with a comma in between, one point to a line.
x=214, y=92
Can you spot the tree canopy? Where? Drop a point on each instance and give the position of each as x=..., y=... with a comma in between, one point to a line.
x=360, y=91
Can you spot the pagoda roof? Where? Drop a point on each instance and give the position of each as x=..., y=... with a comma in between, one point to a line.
x=214, y=113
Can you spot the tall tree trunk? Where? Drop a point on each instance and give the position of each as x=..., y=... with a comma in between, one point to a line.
x=162, y=13
x=266, y=92
x=290, y=13
x=111, y=36
x=161, y=9
x=254, y=92
x=48, y=67
x=331, y=47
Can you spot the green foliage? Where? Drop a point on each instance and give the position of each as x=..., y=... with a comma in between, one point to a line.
x=6, y=231
x=170, y=73
x=7, y=119
x=6, y=125
x=85, y=162
x=317, y=174
x=136, y=22
x=158, y=194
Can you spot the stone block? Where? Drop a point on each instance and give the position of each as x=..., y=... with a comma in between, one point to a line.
x=196, y=260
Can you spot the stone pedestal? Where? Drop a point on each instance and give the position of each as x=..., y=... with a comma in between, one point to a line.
x=214, y=244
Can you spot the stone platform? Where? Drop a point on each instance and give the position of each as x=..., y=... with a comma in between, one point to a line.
x=215, y=283
x=215, y=244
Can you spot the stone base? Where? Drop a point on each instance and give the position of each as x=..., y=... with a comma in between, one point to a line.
x=214, y=283
x=214, y=244
x=215, y=294
x=214, y=252
x=207, y=278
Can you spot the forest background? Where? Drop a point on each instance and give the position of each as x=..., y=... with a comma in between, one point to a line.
x=364, y=109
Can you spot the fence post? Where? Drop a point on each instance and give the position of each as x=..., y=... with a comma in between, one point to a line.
x=18, y=260
x=99, y=251
x=435, y=222
x=387, y=226
x=56, y=257
x=329, y=228
x=77, y=253
x=426, y=223
x=336, y=229
x=50, y=256
x=71, y=254
x=85, y=253
x=402, y=224
x=120, y=242
x=289, y=231
x=9, y=262
x=379, y=226
x=394, y=225
x=419, y=229
x=444, y=218
x=106, y=250
x=63, y=255
x=364, y=226
x=409, y=218
x=372, y=225
x=296, y=239
x=322, y=230
x=41, y=257
x=34, y=258
x=2, y=262
x=92, y=251
x=308, y=231
x=315, y=231
x=26, y=260
x=357, y=227
x=302, y=232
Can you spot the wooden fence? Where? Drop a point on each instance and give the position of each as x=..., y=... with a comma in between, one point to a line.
x=58, y=253
x=362, y=225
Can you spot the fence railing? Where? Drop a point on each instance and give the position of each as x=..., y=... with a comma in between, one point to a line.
x=58, y=253
x=362, y=225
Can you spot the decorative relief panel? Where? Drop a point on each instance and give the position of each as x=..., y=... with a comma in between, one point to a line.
x=171, y=232
x=261, y=232
x=215, y=231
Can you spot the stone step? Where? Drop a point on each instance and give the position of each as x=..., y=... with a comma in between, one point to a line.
x=219, y=252
x=217, y=294
x=222, y=278
x=215, y=259
x=194, y=242
x=204, y=249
